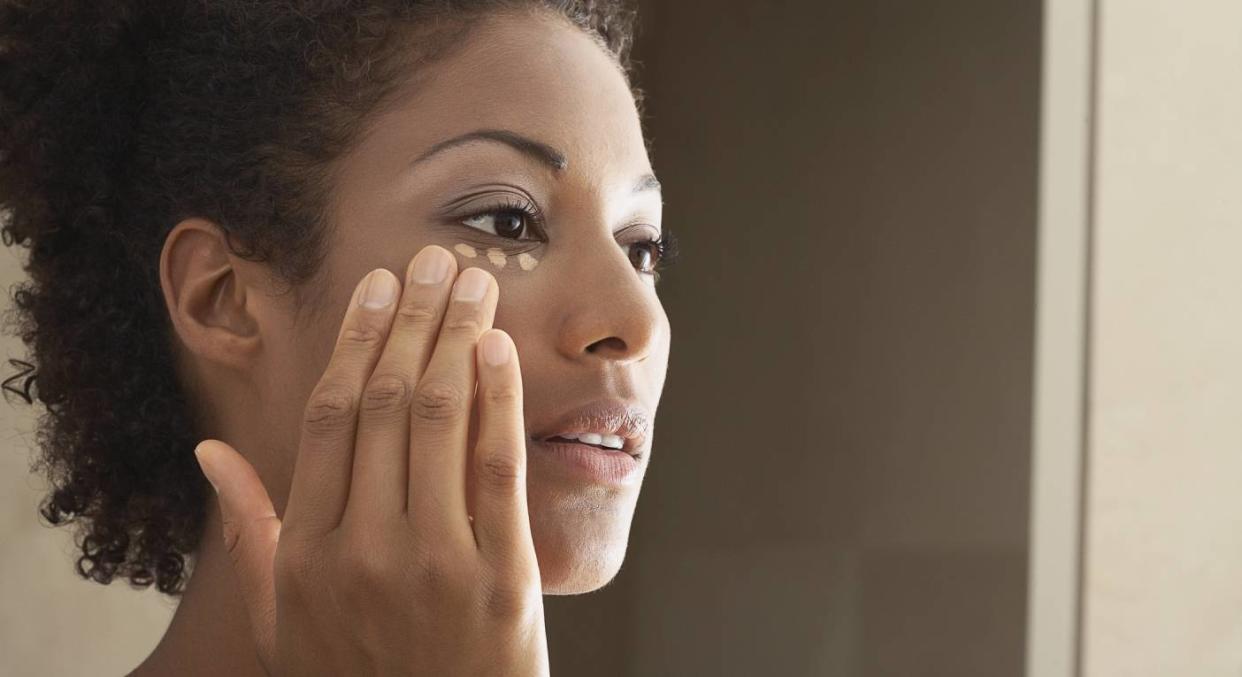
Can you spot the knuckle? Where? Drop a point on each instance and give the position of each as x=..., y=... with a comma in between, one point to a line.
x=502, y=395
x=418, y=313
x=501, y=470
x=330, y=409
x=365, y=570
x=362, y=335
x=462, y=325
x=242, y=536
x=232, y=537
x=437, y=401
x=387, y=392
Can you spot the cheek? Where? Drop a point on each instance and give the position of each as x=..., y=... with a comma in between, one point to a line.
x=294, y=363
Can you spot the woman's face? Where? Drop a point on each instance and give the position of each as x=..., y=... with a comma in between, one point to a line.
x=588, y=325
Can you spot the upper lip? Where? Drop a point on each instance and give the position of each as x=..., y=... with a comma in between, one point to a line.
x=627, y=420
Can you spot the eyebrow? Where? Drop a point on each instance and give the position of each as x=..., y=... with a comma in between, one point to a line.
x=535, y=149
x=538, y=150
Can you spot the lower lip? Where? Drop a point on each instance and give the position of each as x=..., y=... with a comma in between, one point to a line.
x=590, y=464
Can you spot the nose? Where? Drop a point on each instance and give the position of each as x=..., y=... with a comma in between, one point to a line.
x=611, y=313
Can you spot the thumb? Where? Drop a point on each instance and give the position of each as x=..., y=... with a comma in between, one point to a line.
x=251, y=531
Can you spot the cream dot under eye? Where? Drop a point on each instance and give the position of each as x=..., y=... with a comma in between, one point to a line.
x=497, y=257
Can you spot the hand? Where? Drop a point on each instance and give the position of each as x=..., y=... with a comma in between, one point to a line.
x=376, y=568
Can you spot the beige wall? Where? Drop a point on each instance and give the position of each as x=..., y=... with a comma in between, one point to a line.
x=53, y=622
x=1164, y=522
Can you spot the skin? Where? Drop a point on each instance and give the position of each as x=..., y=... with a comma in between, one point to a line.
x=585, y=323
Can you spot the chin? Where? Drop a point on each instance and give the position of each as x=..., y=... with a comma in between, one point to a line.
x=577, y=561
x=576, y=575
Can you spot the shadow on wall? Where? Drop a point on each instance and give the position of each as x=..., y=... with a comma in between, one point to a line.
x=839, y=480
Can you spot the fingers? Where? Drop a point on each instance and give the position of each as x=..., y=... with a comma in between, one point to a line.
x=323, y=469
x=501, y=523
x=381, y=450
x=251, y=532
x=440, y=412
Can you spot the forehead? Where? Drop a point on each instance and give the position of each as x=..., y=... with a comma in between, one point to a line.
x=532, y=73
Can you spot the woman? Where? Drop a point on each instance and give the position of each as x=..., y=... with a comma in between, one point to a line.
x=294, y=237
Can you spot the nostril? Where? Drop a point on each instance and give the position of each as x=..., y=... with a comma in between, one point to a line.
x=611, y=343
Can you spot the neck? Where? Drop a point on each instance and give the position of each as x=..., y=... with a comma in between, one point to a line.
x=210, y=631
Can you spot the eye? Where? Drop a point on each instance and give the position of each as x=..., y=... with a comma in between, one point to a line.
x=507, y=223
x=645, y=256
x=652, y=256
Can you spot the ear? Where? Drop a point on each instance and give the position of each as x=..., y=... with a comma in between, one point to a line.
x=209, y=303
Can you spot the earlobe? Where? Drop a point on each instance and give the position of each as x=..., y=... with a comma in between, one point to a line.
x=208, y=296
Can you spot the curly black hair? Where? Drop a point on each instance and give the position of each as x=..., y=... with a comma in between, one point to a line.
x=120, y=118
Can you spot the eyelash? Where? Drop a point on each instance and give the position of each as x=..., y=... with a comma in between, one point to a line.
x=665, y=246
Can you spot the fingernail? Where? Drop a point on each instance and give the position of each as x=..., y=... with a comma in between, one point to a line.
x=204, y=463
x=495, y=348
x=431, y=265
x=380, y=289
x=471, y=285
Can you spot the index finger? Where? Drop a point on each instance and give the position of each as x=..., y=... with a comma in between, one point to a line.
x=324, y=466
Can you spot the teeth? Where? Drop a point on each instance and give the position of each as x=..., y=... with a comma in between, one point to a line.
x=610, y=441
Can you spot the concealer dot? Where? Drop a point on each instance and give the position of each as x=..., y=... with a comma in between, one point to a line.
x=497, y=257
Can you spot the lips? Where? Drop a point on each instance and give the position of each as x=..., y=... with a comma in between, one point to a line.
x=627, y=420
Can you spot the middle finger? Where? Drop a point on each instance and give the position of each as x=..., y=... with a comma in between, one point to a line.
x=381, y=450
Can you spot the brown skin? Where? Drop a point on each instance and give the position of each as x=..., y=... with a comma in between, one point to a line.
x=585, y=323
